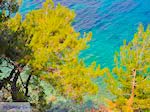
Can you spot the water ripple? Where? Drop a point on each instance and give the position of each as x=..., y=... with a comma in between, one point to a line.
x=111, y=21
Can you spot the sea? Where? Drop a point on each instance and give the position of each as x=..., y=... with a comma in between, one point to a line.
x=110, y=21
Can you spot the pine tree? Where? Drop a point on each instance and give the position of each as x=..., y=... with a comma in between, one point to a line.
x=47, y=44
x=130, y=79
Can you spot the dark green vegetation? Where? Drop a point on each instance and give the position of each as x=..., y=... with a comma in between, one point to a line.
x=43, y=49
x=7, y=8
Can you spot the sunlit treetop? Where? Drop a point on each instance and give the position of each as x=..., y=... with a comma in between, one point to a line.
x=46, y=42
x=130, y=82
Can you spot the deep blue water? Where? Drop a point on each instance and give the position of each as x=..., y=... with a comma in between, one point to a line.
x=111, y=21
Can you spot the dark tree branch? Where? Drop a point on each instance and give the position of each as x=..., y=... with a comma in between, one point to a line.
x=12, y=80
x=27, y=84
x=13, y=83
x=14, y=89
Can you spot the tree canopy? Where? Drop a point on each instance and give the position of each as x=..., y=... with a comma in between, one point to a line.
x=48, y=45
x=130, y=80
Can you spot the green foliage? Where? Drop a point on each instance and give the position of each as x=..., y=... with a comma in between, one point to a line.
x=130, y=79
x=7, y=8
x=12, y=41
x=46, y=42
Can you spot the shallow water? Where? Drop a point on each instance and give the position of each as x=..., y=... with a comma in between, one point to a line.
x=111, y=21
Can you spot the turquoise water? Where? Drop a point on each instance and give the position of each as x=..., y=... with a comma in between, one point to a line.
x=111, y=21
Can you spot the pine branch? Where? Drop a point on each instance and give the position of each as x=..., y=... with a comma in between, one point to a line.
x=27, y=84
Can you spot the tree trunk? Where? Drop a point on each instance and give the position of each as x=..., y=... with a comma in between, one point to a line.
x=27, y=84
x=14, y=88
x=131, y=99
